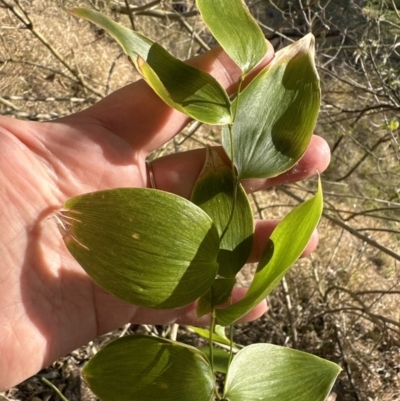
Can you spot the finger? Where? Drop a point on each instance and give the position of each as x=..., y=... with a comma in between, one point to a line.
x=315, y=160
x=139, y=116
x=178, y=172
x=262, y=232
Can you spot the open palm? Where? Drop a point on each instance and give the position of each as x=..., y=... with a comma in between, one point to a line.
x=48, y=305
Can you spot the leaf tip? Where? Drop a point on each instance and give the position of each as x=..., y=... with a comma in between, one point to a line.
x=77, y=11
x=304, y=46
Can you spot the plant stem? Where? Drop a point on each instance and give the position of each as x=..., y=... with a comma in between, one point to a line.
x=210, y=340
x=212, y=325
x=230, y=356
x=53, y=387
x=237, y=99
x=235, y=187
x=232, y=151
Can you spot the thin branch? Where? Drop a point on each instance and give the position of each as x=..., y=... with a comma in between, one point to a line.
x=122, y=8
x=385, y=86
x=113, y=64
x=351, y=83
x=395, y=9
x=365, y=109
x=343, y=225
x=50, y=99
x=359, y=313
x=365, y=156
x=29, y=25
x=44, y=67
x=7, y=103
x=149, y=10
x=384, y=292
x=192, y=32
x=353, y=215
x=377, y=200
x=191, y=131
x=290, y=312
x=346, y=364
x=31, y=116
x=385, y=230
x=130, y=14
x=167, y=14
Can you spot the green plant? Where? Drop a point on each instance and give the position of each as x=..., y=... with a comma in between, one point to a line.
x=158, y=250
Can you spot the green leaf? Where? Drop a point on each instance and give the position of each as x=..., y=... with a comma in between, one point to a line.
x=214, y=192
x=183, y=87
x=146, y=368
x=221, y=358
x=276, y=114
x=219, y=293
x=269, y=372
x=284, y=247
x=235, y=30
x=147, y=247
x=220, y=330
x=219, y=336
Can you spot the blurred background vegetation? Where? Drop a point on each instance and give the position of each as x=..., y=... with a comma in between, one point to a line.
x=342, y=303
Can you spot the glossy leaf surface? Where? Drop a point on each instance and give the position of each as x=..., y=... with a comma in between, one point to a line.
x=183, y=87
x=147, y=247
x=235, y=30
x=277, y=113
x=284, y=247
x=214, y=192
x=269, y=372
x=146, y=368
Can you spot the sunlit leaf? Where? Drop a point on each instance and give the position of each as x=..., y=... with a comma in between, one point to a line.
x=147, y=247
x=183, y=87
x=236, y=31
x=219, y=293
x=214, y=192
x=284, y=247
x=269, y=372
x=218, y=336
x=277, y=113
x=220, y=330
x=221, y=358
x=146, y=368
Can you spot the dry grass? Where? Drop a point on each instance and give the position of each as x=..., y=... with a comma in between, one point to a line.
x=341, y=303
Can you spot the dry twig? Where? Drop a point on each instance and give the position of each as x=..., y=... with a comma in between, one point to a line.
x=23, y=16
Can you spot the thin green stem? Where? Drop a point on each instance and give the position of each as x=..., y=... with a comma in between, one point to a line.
x=241, y=79
x=235, y=187
x=232, y=154
x=230, y=355
x=210, y=339
x=217, y=393
x=53, y=387
x=212, y=325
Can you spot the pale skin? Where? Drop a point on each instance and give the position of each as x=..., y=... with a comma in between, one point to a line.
x=48, y=305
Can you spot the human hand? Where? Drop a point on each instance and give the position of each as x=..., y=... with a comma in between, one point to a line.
x=48, y=305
